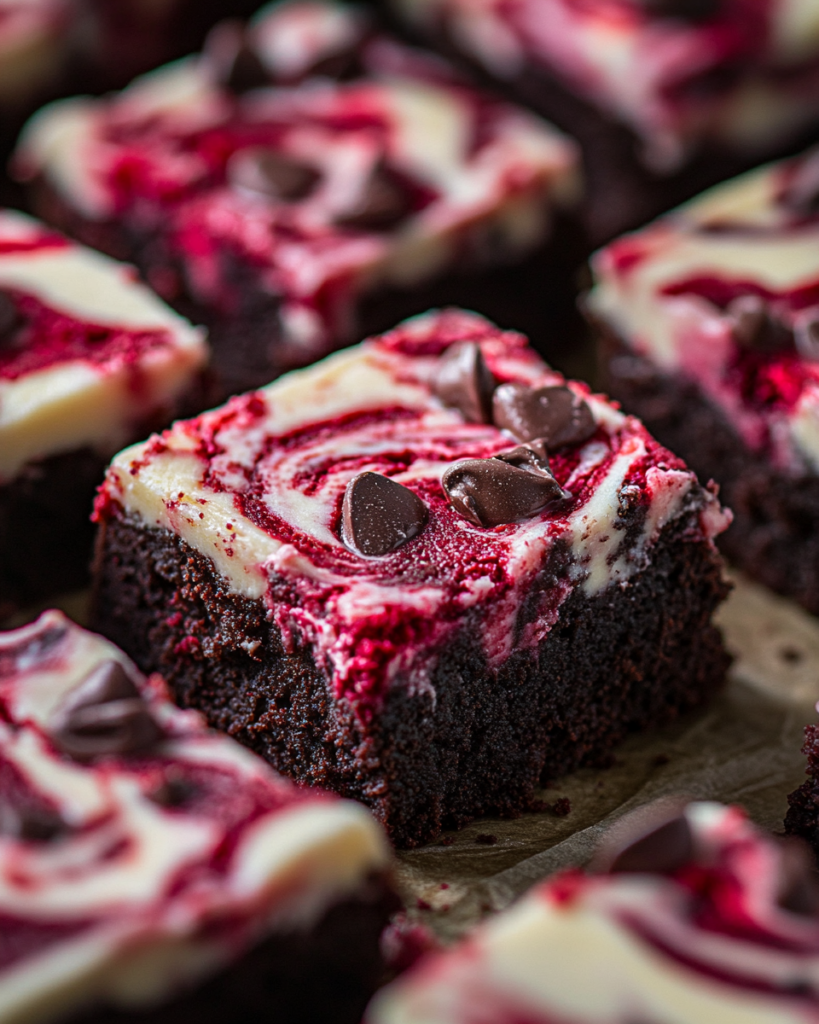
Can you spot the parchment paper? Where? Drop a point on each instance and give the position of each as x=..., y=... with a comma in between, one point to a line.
x=745, y=749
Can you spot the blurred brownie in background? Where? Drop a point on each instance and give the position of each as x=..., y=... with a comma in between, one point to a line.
x=666, y=97
x=709, y=322
x=90, y=360
x=307, y=181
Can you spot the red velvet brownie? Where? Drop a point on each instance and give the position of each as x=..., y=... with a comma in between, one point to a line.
x=89, y=361
x=295, y=218
x=666, y=96
x=154, y=871
x=711, y=318
x=426, y=573
x=692, y=917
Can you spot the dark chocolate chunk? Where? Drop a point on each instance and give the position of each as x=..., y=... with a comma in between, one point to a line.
x=272, y=174
x=661, y=851
x=684, y=10
x=806, y=336
x=555, y=415
x=755, y=326
x=798, y=881
x=10, y=319
x=174, y=790
x=801, y=194
x=237, y=65
x=378, y=515
x=465, y=382
x=532, y=457
x=105, y=715
x=383, y=203
x=32, y=824
x=489, y=492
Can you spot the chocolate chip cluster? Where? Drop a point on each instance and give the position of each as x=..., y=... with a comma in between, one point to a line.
x=379, y=514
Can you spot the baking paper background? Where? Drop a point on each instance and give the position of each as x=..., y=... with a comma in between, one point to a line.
x=744, y=748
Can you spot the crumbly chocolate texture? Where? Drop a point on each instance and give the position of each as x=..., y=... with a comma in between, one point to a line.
x=802, y=818
x=322, y=975
x=534, y=295
x=46, y=536
x=773, y=536
x=632, y=657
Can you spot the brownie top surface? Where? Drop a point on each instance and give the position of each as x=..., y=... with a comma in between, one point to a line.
x=139, y=850
x=311, y=190
x=725, y=291
x=284, y=490
x=675, y=71
x=86, y=352
x=697, y=917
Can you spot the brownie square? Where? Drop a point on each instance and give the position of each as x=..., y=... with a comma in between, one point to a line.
x=89, y=360
x=361, y=575
x=293, y=212
x=708, y=320
x=665, y=98
x=154, y=871
x=686, y=914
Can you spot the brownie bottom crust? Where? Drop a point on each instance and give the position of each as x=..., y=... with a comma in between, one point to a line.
x=774, y=537
x=324, y=974
x=477, y=741
x=533, y=292
x=46, y=535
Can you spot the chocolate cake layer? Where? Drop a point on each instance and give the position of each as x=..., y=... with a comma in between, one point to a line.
x=802, y=818
x=323, y=974
x=636, y=655
x=773, y=535
x=49, y=504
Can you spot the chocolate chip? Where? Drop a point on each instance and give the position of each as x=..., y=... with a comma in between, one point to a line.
x=754, y=325
x=661, y=851
x=806, y=336
x=383, y=203
x=556, y=415
x=465, y=382
x=105, y=715
x=10, y=319
x=532, y=457
x=272, y=174
x=378, y=515
x=798, y=879
x=237, y=65
x=489, y=492
x=801, y=194
x=32, y=824
x=174, y=790
x=685, y=10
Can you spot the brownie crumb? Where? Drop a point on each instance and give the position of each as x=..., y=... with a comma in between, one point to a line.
x=791, y=655
x=561, y=807
x=486, y=838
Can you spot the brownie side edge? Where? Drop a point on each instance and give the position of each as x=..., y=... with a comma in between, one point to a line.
x=46, y=535
x=774, y=537
x=324, y=974
x=475, y=741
